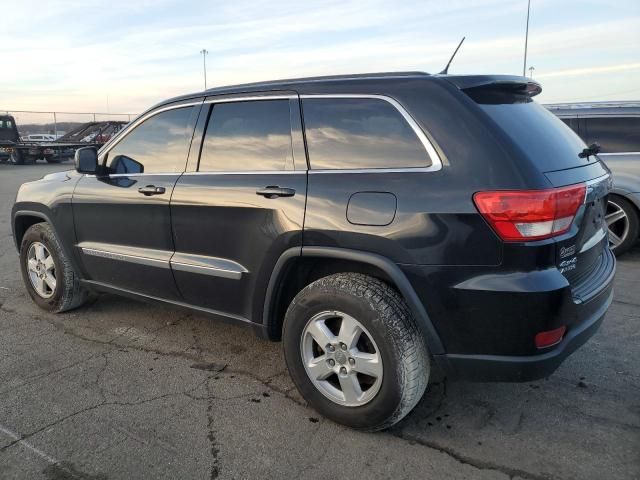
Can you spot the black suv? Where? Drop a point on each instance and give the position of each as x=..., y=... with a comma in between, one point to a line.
x=377, y=224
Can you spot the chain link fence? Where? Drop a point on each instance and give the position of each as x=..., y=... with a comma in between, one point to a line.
x=58, y=123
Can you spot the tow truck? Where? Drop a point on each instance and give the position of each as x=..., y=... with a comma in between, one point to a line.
x=19, y=152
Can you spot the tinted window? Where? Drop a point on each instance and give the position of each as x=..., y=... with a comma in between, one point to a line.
x=614, y=135
x=541, y=136
x=158, y=145
x=247, y=136
x=572, y=123
x=360, y=133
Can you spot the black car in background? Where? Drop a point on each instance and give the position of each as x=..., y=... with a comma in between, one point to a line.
x=379, y=225
x=615, y=126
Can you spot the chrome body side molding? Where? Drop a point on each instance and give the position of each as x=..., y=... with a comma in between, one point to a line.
x=122, y=253
x=218, y=267
x=184, y=262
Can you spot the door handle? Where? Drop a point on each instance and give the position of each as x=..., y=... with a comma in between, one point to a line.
x=151, y=190
x=275, y=192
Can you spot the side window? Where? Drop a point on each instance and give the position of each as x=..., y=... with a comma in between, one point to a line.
x=251, y=135
x=614, y=134
x=160, y=144
x=572, y=123
x=348, y=133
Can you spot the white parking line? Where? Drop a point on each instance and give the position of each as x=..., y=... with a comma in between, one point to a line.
x=26, y=444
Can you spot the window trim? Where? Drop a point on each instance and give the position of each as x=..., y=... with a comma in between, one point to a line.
x=436, y=161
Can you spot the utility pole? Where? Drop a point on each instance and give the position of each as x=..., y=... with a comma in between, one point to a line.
x=526, y=40
x=531, y=69
x=204, y=65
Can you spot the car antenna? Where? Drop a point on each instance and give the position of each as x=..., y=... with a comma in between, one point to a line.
x=446, y=69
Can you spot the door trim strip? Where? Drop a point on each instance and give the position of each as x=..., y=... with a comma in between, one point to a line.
x=184, y=262
x=141, y=256
x=201, y=264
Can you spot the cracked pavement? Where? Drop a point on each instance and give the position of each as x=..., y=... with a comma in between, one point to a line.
x=122, y=389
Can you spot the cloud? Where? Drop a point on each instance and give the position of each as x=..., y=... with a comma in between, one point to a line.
x=590, y=70
x=138, y=52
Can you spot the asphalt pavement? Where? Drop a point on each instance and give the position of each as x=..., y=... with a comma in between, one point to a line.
x=124, y=390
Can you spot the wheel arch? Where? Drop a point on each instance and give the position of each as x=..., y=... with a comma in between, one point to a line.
x=343, y=260
x=23, y=220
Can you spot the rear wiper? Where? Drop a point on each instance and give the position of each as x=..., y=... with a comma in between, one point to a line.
x=592, y=149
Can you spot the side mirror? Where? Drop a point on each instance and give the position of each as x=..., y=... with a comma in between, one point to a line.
x=86, y=160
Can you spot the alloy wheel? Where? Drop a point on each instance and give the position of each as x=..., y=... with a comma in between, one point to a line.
x=341, y=358
x=41, y=269
x=617, y=224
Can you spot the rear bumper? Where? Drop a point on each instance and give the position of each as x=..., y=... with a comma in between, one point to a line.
x=502, y=368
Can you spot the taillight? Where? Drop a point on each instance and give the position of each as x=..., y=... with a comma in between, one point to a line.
x=523, y=215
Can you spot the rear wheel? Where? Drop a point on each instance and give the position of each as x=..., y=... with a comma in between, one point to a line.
x=355, y=352
x=48, y=275
x=623, y=224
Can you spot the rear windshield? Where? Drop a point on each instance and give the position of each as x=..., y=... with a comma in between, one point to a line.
x=543, y=137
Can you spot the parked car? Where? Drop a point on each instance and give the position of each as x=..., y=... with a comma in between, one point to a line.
x=38, y=137
x=379, y=225
x=615, y=126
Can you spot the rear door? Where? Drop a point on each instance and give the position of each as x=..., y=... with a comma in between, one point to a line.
x=122, y=218
x=237, y=210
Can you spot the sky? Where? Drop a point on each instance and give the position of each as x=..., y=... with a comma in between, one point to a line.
x=124, y=56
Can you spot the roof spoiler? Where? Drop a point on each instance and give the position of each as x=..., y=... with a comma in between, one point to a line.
x=496, y=88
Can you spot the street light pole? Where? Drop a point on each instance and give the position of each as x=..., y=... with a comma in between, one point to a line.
x=526, y=40
x=531, y=69
x=204, y=65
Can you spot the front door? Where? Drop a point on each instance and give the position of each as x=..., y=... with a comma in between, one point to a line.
x=242, y=207
x=122, y=218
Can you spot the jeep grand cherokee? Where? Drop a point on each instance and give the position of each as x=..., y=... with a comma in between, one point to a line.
x=376, y=224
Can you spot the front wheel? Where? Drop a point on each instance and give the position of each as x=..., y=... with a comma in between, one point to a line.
x=355, y=352
x=48, y=275
x=16, y=157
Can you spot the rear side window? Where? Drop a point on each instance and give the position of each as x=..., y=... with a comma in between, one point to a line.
x=614, y=134
x=539, y=134
x=160, y=144
x=350, y=133
x=252, y=135
x=572, y=123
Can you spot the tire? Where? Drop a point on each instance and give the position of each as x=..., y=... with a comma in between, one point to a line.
x=52, y=159
x=16, y=157
x=389, y=333
x=625, y=230
x=67, y=293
